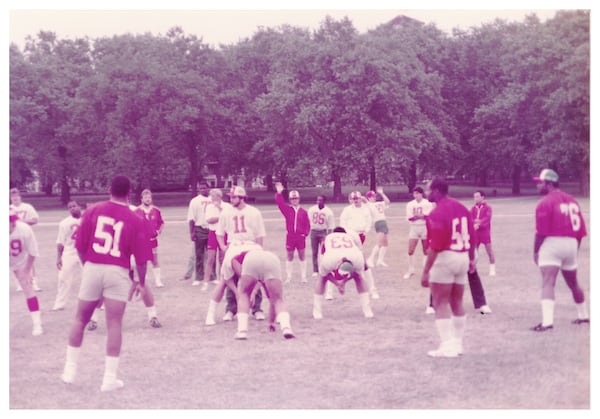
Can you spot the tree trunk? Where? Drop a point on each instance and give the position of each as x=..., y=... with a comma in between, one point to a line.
x=193, y=155
x=373, y=175
x=269, y=183
x=412, y=177
x=483, y=178
x=516, y=180
x=337, y=187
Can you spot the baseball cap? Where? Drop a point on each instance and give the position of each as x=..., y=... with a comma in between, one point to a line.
x=371, y=194
x=294, y=194
x=237, y=191
x=548, y=175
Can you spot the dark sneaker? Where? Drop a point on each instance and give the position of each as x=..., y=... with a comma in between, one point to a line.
x=155, y=323
x=542, y=328
x=92, y=325
x=581, y=321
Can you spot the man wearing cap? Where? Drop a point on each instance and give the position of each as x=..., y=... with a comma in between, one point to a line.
x=23, y=251
x=297, y=225
x=199, y=228
x=341, y=260
x=559, y=228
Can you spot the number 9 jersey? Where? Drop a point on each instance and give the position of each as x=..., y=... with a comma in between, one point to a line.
x=110, y=233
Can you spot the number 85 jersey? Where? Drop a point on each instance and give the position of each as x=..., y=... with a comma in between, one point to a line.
x=450, y=226
x=558, y=215
x=110, y=233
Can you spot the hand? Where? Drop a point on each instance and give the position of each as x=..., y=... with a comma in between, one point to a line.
x=379, y=190
x=472, y=266
x=193, y=237
x=278, y=187
x=535, y=258
x=425, y=280
x=59, y=263
x=137, y=290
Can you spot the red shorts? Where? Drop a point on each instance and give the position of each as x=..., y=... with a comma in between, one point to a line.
x=295, y=241
x=482, y=237
x=212, y=243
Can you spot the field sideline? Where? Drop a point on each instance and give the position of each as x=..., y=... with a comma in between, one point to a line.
x=341, y=362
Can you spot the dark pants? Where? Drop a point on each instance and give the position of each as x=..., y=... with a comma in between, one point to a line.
x=232, y=302
x=477, y=291
x=201, y=234
x=316, y=237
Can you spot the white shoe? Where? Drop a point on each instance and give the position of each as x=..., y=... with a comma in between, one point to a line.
x=288, y=280
x=429, y=310
x=443, y=352
x=368, y=313
x=159, y=284
x=328, y=296
x=458, y=346
x=259, y=315
x=317, y=314
x=408, y=274
x=36, y=286
x=492, y=272
x=228, y=316
x=195, y=283
x=204, y=287
x=68, y=375
x=37, y=330
x=374, y=295
x=382, y=263
x=304, y=280
x=241, y=335
x=210, y=320
x=113, y=385
x=370, y=263
x=58, y=308
x=314, y=275
x=485, y=309
x=288, y=333
x=19, y=289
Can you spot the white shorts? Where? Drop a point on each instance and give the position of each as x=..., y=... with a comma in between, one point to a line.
x=330, y=260
x=99, y=280
x=417, y=231
x=450, y=268
x=234, y=249
x=261, y=265
x=559, y=251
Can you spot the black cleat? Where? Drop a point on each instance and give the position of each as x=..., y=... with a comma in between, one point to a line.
x=581, y=321
x=92, y=325
x=155, y=323
x=542, y=328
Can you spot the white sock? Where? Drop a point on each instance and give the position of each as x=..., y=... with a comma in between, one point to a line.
x=111, y=364
x=368, y=275
x=382, y=251
x=547, y=312
x=303, y=268
x=212, y=307
x=283, y=319
x=328, y=288
x=365, y=302
x=288, y=268
x=582, y=311
x=242, y=322
x=444, y=328
x=156, y=272
x=411, y=263
x=95, y=314
x=151, y=312
x=36, y=317
x=458, y=326
x=318, y=302
x=374, y=253
x=71, y=362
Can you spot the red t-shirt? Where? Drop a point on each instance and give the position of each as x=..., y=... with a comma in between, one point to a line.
x=153, y=215
x=110, y=233
x=450, y=226
x=558, y=214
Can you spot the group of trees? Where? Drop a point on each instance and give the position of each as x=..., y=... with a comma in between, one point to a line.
x=396, y=104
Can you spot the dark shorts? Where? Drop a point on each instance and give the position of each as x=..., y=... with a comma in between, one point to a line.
x=381, y=227
x=482, y=237
x=295, y=241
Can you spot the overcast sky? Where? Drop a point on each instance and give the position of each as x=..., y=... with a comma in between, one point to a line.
x=231, y=21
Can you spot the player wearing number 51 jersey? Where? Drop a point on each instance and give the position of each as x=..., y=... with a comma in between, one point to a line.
x=559, y=228
x=109, y=234
x=450, y=256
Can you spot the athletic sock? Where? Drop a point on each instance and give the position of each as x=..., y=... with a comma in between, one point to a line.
x=156, y=272
x=303, y=268
x=242, y=322
x=444, y=329
x=111, y=365
x=382, y=251
x=283, y=319
x=582, y=310
x=151, y=312
x=547, y=312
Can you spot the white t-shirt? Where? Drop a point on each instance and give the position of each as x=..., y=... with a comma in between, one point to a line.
x=22, y=245
x=418, y=208
x=244, y=224
x=356, y=218
x=213, y=211
x=197, y=210
x=67, y=229
x=25, y=211
x=321, y=219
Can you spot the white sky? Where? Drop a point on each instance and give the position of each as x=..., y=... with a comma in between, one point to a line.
x=230, y=21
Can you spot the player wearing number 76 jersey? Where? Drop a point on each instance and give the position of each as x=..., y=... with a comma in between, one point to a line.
x=450, y=256
x=559, y=228
x=109, y=234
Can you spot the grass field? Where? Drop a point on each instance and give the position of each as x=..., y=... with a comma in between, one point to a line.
x=341, y=362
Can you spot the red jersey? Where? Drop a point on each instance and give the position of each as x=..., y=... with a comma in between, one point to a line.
x=295, y=221
x=558, y=214
x=450, y=227
x=482, y=212
x=110, y=233
x=153, y=215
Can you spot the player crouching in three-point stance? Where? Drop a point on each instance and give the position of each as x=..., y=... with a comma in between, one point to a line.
x=260, y=267
x=559, y=228
x=341, y=260
x=450, y=256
